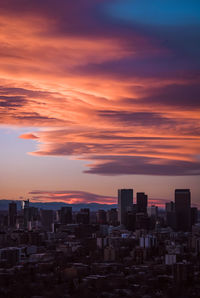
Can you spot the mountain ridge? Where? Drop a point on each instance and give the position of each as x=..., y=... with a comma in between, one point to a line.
x=57, y=205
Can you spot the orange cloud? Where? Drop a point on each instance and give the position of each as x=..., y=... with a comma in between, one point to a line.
x=71, y=197
x=102, y=92
x=81, y=197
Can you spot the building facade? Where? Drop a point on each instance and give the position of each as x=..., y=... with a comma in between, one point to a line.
x=125, y=204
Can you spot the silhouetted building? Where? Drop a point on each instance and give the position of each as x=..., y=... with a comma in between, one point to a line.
x=25, y=204
x=170, y=215
x=83, y=216
x=170, y=207
x=25, y=208
x=125, y=204
x=101, y=217
x=142, y=221
x=152, y=211
x=142, y=202
x=130, y=220
x=112, y=217
x=11, y=255
x=47, y=219
x=66, y=215
x=33, y=214
x=182, y=209
x=12, y=214
x=194, y=215
x=183, y=272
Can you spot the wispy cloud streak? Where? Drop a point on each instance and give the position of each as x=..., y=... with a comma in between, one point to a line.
x=102, y=87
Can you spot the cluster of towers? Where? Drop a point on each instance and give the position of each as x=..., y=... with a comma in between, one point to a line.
x=179, y=214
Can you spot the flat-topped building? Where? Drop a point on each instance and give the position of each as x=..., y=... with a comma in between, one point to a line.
x=125, y=204
x=182, y=209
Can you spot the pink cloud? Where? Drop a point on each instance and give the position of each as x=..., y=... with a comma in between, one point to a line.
x=78, y=197
x=71, y=197
x=115, y=95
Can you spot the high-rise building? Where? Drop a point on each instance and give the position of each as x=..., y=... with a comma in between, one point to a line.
x=152, y=211
x=112, y=217
x=47, y=219
x=170, y=207
x=25, y=204
x=125, y=204
x=66, y=215
x=83, y=216
x=182, y=209
x=194, y=215
x=142, y=202
x=25, y=208
x=101, y=217
x=12, y=214
x=170, y=214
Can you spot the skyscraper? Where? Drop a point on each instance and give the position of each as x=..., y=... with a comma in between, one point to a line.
x=182, y=209
x=152, y=211
x=12, y=214
x=170, y=207
x=125, y=204
x=170, y=214
x=25, y=208
x=142, y=201
x=112, y=217
x=83, y=216
x=47, y=219
x=66, y=215
x=194, y=215
x=101, y=217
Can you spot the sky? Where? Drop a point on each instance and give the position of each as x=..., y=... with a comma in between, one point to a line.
x=97, y=95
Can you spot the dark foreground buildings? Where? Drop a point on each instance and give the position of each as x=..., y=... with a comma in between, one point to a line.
x=87, y=253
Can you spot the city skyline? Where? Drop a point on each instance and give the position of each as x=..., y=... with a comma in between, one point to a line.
x=80, y=198
x=97, y=96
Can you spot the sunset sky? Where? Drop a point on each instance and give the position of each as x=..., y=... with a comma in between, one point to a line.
x=97, y=95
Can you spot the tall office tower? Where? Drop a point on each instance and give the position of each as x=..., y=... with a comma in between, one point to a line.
x=194, y=216
x=12, y=214
x=47, y=219
x=170, y=207
x=142, y=202
x=152, y=211
x=101, y=217
x=25, y=208
x=87, y=214
x=33, y=214
x=170, y=215
x=125, y=204
x=83, y=216
x=112, y=217
x=25, y=204
x=182, y=209
x=66, y=215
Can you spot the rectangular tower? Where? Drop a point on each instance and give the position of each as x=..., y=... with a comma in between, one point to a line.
x=12, y=214
x=182, y=209
x=125, y=204
x=66, y=215
x=170, y=214
x=142, y=202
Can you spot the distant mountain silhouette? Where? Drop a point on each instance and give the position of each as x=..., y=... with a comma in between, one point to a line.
x=58, y=205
